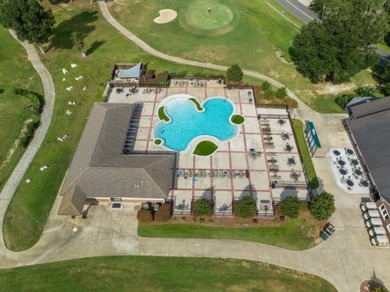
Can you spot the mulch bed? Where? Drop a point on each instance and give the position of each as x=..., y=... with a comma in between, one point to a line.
x=371, y=286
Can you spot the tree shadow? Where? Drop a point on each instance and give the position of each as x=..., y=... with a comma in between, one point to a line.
x=288, y=192
x=208, y=193
x=95, y=45
x=62, y=33
x=374, y=278
x=320, y=188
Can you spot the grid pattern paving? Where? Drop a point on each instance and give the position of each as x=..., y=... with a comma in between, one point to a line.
x=256, y=162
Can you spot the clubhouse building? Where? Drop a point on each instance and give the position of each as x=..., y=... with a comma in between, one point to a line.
x=101, y=171
x=368, y=128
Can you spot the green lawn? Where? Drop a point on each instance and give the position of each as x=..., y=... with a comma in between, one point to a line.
x=161, y=114
x=289, y=235
x=197, y=104
x=205, y=148
x=28, y=211
x=311, y=172
x=15, y=72
x=251, y=39
x=159, y=274
x=237, y=119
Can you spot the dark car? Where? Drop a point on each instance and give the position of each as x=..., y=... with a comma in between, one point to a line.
x=327, y=231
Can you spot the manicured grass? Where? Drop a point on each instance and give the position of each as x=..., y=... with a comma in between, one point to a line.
x=161, y=114
x=251, y=39
x=139, y=273
x=289, y=235
x=29, y=208
x=238, y=119
x=15, y=72
x=197, y=16
x=196, y=102
x=311, y=172
x=205, y=148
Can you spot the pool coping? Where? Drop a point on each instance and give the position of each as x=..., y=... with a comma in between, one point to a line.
x=195, y=141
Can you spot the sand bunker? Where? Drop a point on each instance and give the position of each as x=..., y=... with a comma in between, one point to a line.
x=166, y=15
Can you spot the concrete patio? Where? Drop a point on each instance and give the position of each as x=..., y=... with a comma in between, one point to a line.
x=262, y=161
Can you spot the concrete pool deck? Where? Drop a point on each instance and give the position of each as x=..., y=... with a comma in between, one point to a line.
x=233, y=171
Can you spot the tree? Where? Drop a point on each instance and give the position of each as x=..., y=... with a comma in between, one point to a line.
x=269, y=94
x=202, y=207
x=246, y=207
x=265, y=86
x=342, y=44
x=322, y=206
x=281, y=93
x=234, y=73
x=367, y=90
x=28, y=19
x=343, y=100
x=78, y=41
x=290, y=207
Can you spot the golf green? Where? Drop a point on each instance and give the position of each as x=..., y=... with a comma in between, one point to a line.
x=208, y=15
x=208, y=18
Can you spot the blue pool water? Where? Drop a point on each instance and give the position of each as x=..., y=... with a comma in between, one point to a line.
x=186, y=123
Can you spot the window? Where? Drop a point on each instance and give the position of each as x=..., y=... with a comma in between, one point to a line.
x=384, y=212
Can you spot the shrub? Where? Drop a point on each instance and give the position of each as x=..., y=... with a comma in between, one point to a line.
x=269, y=94
x=290, y=207
x=234, y=73
x=202, y=207
x=254, y=220
x=1, y=90
x=265, y=86
x=322, y=206
x=145, y=216
x=386, y=89
x=281, y=93
x=387, y=39
x=246, y=207
x=29, y=133
x=367, y=90
x=178, y=74
x=342, y=101
x=199, y=74
x=291, y=103
x=163, y=214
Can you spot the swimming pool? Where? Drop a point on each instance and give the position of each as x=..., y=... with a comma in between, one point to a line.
x=186, y=122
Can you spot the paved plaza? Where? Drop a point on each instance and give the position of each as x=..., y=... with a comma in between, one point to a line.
x=262, y=161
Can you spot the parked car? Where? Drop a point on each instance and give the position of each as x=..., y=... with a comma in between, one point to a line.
x=327, y=231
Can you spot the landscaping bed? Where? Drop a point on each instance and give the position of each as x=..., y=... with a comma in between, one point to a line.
x=295, y=234
x=310, y=170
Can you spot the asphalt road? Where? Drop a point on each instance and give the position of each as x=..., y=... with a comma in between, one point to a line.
x=299, y=10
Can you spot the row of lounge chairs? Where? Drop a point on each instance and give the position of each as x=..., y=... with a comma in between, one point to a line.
x=211, y=173
x=132, y=129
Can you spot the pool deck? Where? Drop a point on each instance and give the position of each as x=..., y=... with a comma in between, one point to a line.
x=233, y=171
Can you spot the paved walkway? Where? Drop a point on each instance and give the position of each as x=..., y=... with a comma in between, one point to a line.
x=19, y=171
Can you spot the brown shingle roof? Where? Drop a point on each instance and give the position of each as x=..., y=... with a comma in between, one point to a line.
x=99, y=169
